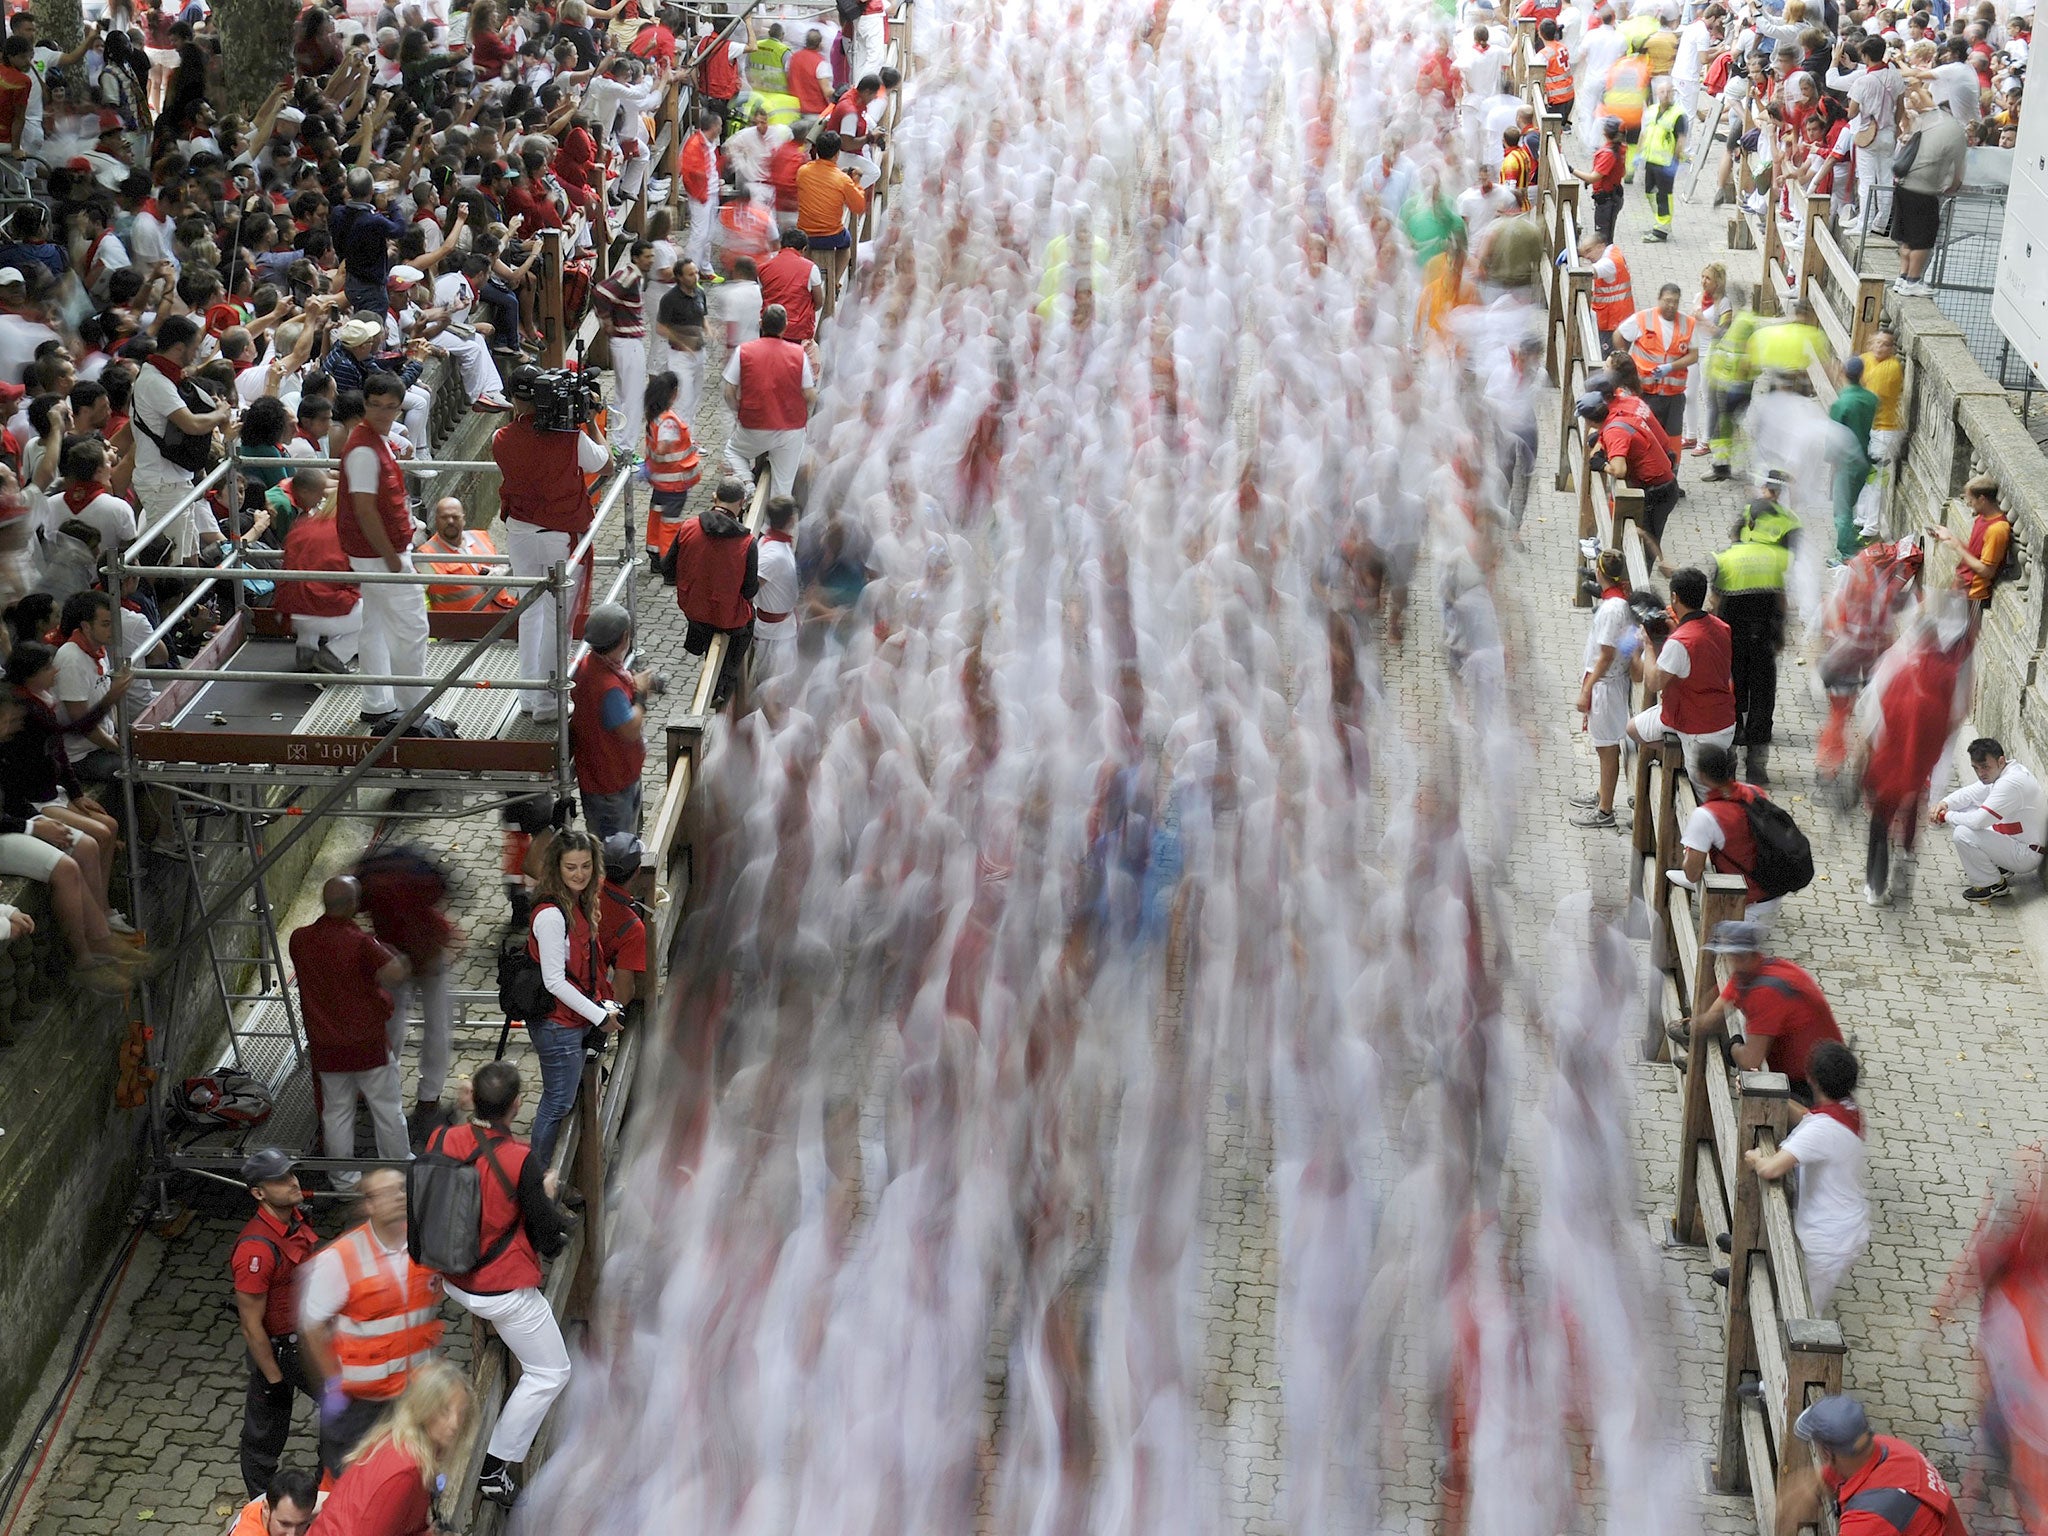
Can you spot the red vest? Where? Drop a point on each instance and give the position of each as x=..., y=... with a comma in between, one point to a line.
x=788, y=159
x=541, y=483
x=518, y=1267
x=1703, y=701
x=1899, y=1491
x=606, y=761
x=709, y=574
x=803, y=82
x=847, y=106
x=583, y=967
x=786, y=280
x=314, y=544
x=393, y=510
x=717, y=79
x=772, y=385
x=343, y=1005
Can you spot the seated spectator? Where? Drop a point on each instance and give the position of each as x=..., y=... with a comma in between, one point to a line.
x=1718, y=831
x=327, y=617
x=465, y=586
x=1785, y=1014
x=87, y=495
x=30, y=617
x=68, y=560
x=1826, y=1146
x=84, y=679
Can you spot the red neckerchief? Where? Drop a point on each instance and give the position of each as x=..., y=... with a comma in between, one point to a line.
x=132, y=606
x=148, y=206
x=777, y=536
x=166, y=367
x=1607, y=592
x=79, y=497
x=242, y=368
x=1842, y=1113
x=92, y=251
x=97, y=652
x=309, y=437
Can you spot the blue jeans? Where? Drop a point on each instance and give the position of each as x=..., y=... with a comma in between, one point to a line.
x=560, y=1049
x=606, y=814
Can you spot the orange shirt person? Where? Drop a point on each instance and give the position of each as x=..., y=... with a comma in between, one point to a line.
x=1980, y=559
x=825, y=197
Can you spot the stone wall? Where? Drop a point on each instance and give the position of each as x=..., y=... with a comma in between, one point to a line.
x=1959, y=423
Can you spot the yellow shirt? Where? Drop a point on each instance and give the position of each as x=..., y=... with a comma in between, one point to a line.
x=1887, y=381
x=1661, y=49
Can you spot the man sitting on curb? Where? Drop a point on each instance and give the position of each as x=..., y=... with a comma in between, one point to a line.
x=1998, y=822
x=1784, y=1013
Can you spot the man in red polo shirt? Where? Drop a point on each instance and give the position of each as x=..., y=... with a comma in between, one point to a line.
x=342, y=976
x=272, y=1246
x=791, y=279
x=621, y=935
x=1784, y=1013
x=1880, y=1486
x=605, y=724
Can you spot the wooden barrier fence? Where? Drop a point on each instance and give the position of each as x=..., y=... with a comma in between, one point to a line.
x=1777, y=1357
x=590, y=1139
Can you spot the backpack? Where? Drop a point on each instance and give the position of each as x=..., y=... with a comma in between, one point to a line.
x=444, y=1197
x=1784, y=858
x=223, y=1100
x=2008, y=565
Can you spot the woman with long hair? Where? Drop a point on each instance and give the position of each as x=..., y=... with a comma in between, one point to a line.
x=388, y=1487
x=561, y=936
x=672, y=465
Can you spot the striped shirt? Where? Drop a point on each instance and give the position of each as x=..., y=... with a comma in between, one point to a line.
x=618, y=301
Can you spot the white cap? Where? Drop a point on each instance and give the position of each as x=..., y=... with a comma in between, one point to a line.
x=405, y=276
x=10, y=276
x=291, y=115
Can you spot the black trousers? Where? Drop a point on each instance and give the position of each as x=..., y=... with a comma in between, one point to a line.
x=267, y=1413
x=1753, y=669
x=1669, y=411
x=1606, y=210
x=348, y=1429
x=1658, y=500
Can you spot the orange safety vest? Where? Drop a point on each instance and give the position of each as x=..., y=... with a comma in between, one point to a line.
x=1654, y=346
x=460, y=596
x=1557, y=76
x=383, y=1332
x=676, y=470
x=1628, y=90
x=1614, y=299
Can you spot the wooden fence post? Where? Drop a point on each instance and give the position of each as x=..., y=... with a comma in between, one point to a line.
x=1811, y=265
x=1869, y=310
x=554, y=327
x=1723, y=899
x=1813, y=1368
x=1671, y=760
x=1578, y=292
x=589, y=1181
x=1765, y=1103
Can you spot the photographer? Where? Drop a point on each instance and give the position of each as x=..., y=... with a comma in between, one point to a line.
x=605, y=726
x=363, y=231
x=546, y=507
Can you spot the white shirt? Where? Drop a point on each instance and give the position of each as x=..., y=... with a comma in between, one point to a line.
x=776, y=562
x=1956, y=87
x=359, y=472
x=1479, y=207
x=1674, y=660
x=737, y=307
x=323, y=1284
x=1692, y=43
x=153, y=399
x=135, y=628
x=1612, y=622
x=1833, y=1217
x=112, y=516
x=19, y=338
x=551, y=938
x=1481, y=70
x=748, y=151
x=81, y=683
x=2014, y=798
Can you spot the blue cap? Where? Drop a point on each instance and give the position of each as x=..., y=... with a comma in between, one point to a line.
x=1834, y=1423
x=265, y=1164
x=1736, y=937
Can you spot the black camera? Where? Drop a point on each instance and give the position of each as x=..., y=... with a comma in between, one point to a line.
x=1652, y=615
x=563, y=399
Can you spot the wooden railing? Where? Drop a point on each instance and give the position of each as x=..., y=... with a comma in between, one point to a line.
x=1773, y=1344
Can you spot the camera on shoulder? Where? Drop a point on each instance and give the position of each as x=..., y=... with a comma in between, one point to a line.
x=563, y=399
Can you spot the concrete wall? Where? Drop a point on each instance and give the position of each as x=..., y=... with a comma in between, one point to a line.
x=1959, y=424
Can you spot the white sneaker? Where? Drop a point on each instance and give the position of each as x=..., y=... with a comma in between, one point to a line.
x=119, y=923
x=1872, y=896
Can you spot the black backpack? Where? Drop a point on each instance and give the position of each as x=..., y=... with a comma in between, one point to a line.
x=1784, y=858
x=522, y=994
x=444, y=1197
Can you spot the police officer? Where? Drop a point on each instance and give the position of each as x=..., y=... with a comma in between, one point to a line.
x=1661, y=144
x=1749, y=587
x=267, y=1255
x=1730, y=374
x=1880, y=1486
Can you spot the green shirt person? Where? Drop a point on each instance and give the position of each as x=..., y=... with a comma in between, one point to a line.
x=1856, y=409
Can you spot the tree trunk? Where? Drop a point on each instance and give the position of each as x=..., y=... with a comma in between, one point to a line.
x=256, y=49
x=60, y=23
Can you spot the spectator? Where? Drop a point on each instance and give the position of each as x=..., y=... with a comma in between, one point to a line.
x=326, y=616
x=825, y=197
x=163, y=417
x=39, y=770
x=1884, y=375
x=772, y=389
x=363, y=229
x=1718, y=831
x=370, y=1322
x=605, y=729
x=1690, y=677
x=1612, y=644
x=673, y=467
x=1999, y=823
x=622, y=321
x=810, y=81
x=389, y=1486
x=84, y=681
x=622, y=935
x=1855, y=411
x=717, y=574
x=403, y=892
x=775, y=621
x=1980, y=559
x=679, y=326
x=87, y=495
x=1934, y=150
x=1630, y=445
x=343, y=974
x=1785, y=1014
x=1749, y=586
x=562, y=939
x=519, y=1225
x=545, y=502
x=1826, y=1146
x=264, y=1266
x=288, y=1502
x=1871, y=1478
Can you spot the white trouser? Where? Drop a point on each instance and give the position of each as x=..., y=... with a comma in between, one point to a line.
x=341, y=634
x=860, y=168
x=785, y=450
x=526, y=1323
x=380, y=1090
x=1687, y=94
x=660, y=355
x=1874, y=182
x=1824, y=1275
x=157, y=494
x=772, y=658
x=394, y=639
x=634, y=176
x=629, y=388
x=437, y=1040
x=533, y=551
x=1988, y=857
x=1884, y=444
x=418, y=407
x=697, y=240
x=688, y=368
x=473, y=357
x=867, y=47
x=1649, y=728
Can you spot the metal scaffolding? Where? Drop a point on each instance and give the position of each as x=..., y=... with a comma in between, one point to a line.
x=225, y=784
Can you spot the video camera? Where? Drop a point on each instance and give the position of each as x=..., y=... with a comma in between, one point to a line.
x=563, y=399
x=1651, y=613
